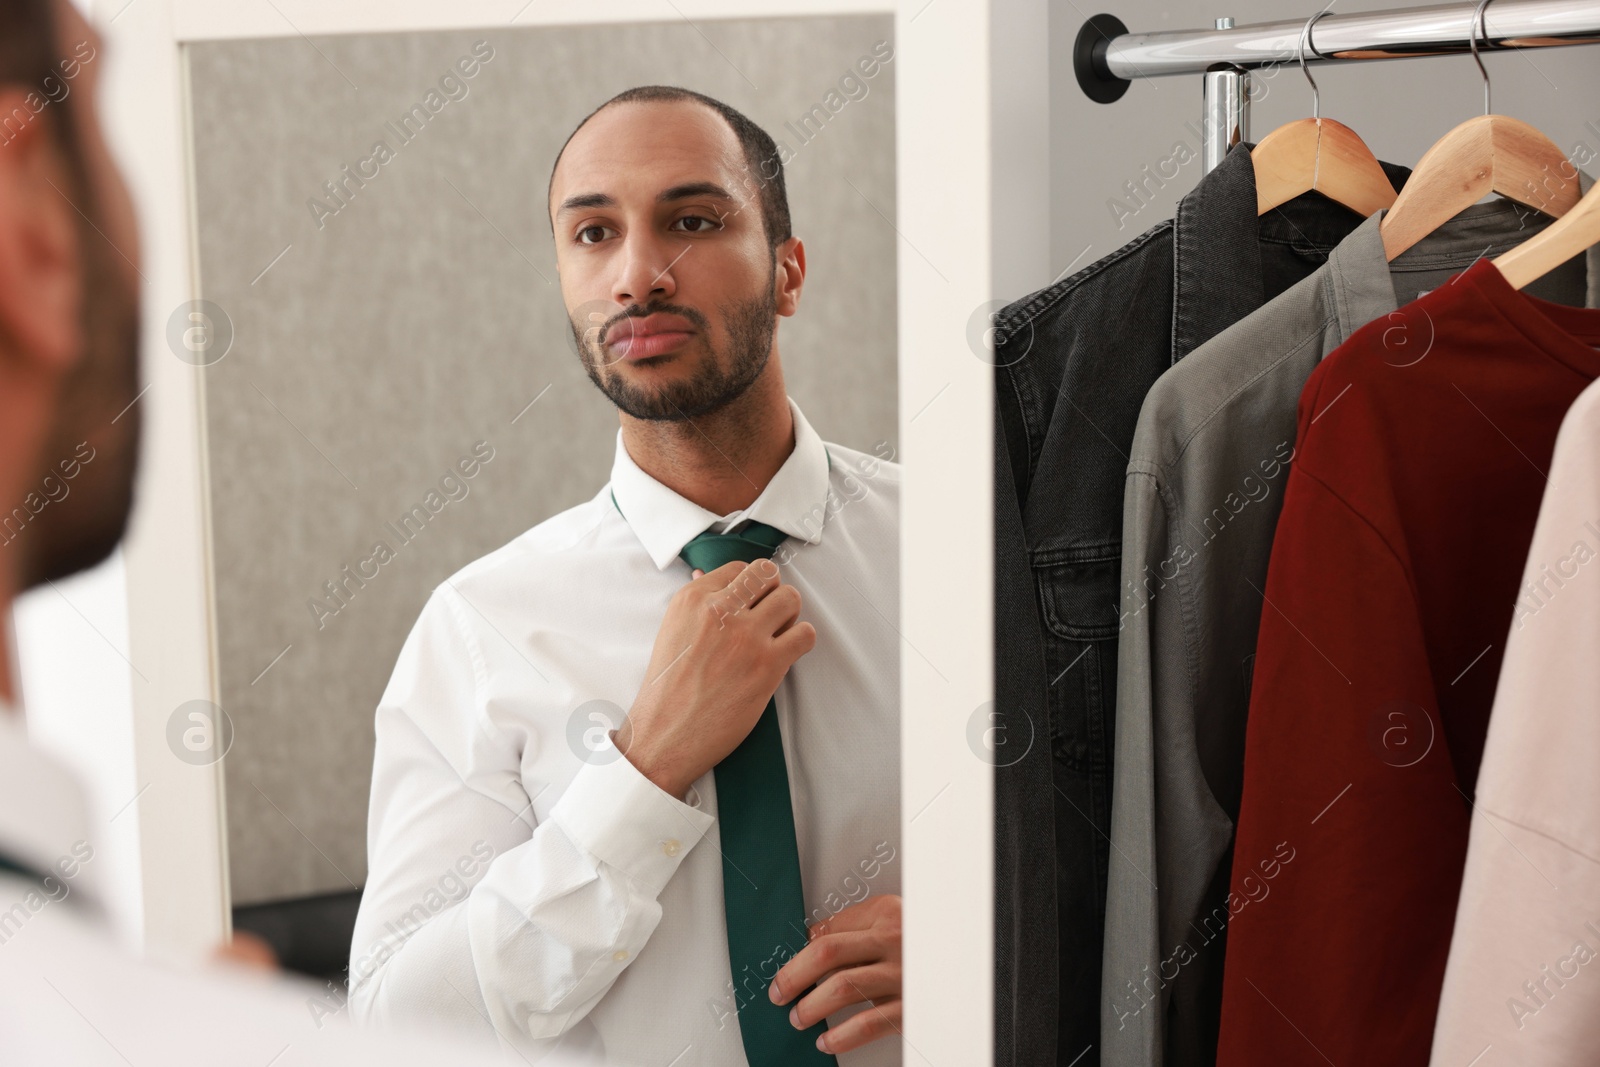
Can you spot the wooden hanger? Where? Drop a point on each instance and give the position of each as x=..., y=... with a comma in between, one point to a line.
x=1487, y=154
x=1570, y=235
x=1320, y=154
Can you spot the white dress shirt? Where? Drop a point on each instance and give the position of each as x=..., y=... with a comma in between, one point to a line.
x=522, y=871
x=70, y=995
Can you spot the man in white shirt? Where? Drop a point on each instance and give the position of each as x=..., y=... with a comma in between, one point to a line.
x=599, y=922
x=68, y=384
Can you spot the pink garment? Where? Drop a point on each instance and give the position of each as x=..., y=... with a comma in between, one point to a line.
x=1522, y=985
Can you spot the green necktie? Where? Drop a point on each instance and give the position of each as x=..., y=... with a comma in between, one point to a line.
x=761, y=894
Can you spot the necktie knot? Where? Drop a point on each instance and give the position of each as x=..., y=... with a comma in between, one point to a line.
x=756, y=540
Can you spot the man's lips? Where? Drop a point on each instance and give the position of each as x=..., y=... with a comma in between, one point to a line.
x=651, y=335
x=637, y=346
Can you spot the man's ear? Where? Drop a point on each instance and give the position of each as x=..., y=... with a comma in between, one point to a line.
x=41, y=284
x=791, y=274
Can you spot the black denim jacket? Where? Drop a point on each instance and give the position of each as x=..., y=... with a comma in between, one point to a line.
x=1073, y=364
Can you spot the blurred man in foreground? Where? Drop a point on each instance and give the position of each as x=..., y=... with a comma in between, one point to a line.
x=68, y=409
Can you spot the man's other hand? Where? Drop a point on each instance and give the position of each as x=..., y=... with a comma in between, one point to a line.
x=851, y=958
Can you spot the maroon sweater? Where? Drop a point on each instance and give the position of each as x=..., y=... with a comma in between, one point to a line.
x=1420, y=462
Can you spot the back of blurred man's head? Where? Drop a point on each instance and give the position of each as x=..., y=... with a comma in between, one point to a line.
x=69, y=426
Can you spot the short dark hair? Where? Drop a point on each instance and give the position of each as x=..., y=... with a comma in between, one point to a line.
x=28, y=56
x=760, y=152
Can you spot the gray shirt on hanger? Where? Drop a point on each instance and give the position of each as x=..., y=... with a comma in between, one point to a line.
x=1205, y=480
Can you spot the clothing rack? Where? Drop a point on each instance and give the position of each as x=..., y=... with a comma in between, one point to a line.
x=1107, y=57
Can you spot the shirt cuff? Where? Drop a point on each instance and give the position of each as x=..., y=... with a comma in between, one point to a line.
x=616, y=814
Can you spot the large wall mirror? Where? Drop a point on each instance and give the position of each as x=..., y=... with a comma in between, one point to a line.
x=391, y=387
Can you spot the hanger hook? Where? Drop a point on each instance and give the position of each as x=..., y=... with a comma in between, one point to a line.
x=1480, y=24
x=1305, y=43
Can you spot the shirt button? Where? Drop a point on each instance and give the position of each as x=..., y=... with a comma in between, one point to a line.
x=620, y=955
x=671, y=845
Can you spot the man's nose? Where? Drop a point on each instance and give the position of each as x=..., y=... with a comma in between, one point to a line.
x=645, y=269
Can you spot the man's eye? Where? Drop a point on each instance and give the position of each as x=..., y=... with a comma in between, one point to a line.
x=588, y=229
x=709, y=224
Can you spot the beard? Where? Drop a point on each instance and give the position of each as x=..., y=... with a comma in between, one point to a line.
x=96, y=408
x=722, y=376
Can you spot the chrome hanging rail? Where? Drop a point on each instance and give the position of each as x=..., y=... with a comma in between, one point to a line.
x=1107, y=57
x=1120, y=56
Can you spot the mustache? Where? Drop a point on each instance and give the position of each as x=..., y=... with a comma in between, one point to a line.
x=689, y=313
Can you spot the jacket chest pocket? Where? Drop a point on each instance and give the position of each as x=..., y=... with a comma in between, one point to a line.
x=1078, y=601
x=1080, y=598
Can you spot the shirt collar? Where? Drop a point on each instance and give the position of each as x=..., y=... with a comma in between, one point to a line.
x=794, y=501
x=1359, y=272
x=43, y=809
x=1217, y=239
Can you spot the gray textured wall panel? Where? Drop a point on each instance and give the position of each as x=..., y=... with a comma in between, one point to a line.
x=375, y=343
